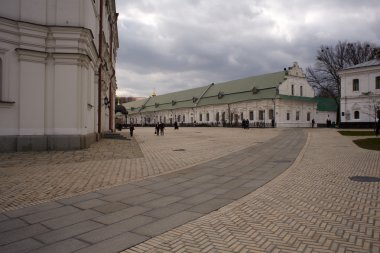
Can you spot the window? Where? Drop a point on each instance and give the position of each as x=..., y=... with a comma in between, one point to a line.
x=179, y=118
x=183, y=118
x=261, y=114
x=288, y=116
x=250, y=115
x=200, y=117
x=217, y=116
x=165, y=119
x=355, y=85
x=377, y=80
x=207, y=117
x=292, y=90
x=297, y=115
x=308, y=116
x=301, y=92
x=342, y=113
x=223, y=116
x=241, y=116
x=1, y=79
x=270, y=113
x=356, y=115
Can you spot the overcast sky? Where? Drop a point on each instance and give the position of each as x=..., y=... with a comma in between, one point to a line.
x=173, y=45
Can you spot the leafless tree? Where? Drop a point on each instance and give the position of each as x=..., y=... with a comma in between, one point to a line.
x=330, y=59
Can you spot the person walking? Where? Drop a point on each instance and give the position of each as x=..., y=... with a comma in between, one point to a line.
x=157, y=131
x=131, y=129
x=312, y=123
x=162, y=127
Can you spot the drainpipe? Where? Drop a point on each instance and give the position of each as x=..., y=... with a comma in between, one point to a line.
x=111, y=111
x=100, y=68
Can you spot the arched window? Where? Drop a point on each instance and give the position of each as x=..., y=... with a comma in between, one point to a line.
x=356, y=115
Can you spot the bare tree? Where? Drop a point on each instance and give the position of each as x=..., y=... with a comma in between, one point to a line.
x=324, y=75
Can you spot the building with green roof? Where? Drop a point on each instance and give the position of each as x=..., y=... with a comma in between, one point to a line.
x=282, y=98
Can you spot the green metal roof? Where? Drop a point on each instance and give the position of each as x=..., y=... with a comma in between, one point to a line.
x=326, y=104
x=251, y=88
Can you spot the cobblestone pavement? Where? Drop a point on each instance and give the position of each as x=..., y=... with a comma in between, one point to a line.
x=312, y=207
x=34, y=177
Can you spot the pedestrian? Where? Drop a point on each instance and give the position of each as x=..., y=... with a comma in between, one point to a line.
x=157, y=129
x=175, y=125
x=312, y=123
x=162, y=127
x=131, y=129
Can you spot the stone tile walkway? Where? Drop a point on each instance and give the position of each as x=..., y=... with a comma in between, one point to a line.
x=312, y=207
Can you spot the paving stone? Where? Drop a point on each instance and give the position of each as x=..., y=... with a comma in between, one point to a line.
x=209, y=206
x=190, y=192
x=122, y=214
x=115, y=244
x=32, y=209
x=141, y=199
x=111, y=207
x=204, y=178
x=90, y=203
x=11, y=224
x=234, y=183
x=171, y=190
x=167, y=210
x=25, y=245
x=163, y=225
x=134, y=191
x=159, y=185
x=21, y=233
x=71, y=219
x=255, y=183
x=3, y=217
x=162, y=201
x=197, y=199
x=116, y=189
x=80, y=198
x=237, y=193
x=50, y=214
x=221, y=180
x=68, y=232
x=115, y=229
x=69, y=245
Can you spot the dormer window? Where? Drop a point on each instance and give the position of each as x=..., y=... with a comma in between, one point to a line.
x=220, y=94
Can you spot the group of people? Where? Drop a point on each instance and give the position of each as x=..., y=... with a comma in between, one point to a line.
x=245, y=124
x=159, y=129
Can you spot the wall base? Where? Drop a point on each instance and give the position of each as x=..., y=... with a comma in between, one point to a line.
x=22, y=143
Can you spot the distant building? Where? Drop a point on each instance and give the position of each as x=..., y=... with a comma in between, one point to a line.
x=360, y=94
x=283, y=98
x=57, y=73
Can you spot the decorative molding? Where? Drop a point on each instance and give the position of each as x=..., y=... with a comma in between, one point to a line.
x=31, y=55
x=6, y=104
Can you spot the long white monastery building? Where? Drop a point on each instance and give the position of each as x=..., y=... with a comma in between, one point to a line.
x=57, y=73
x=360, y=94
x=284, y=99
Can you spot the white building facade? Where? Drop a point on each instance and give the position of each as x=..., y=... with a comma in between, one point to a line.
x=57, y=70
x=360, y=94
x=284, y=99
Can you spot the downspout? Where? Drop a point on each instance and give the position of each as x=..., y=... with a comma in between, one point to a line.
x=100, y=68
x=111, y=110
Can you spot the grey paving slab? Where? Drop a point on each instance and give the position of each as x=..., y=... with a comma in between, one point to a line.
x=162, y=201
x=11, y=224
x=255, y=183
x=87, y=204
x=71, y=219
x=3, y=217
x=190, y=192
x=163, y=225
x=115, y=244
x=237, y=193
x=116, y=189
x=159, y=185
x=234, y=183
x=209, y=206
x=204, y=178
x=68, y=232
x=22, y=246
x=50, y=214
x=122, y=214
x=80, y=198
x=132, y=191
x=66, y=246
x=33, y=209
x=21, y=233
x=171, y=190
x=111, y=207
x=197, y=199
x=167, y=210
x=142, y=198
x=115, y=229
